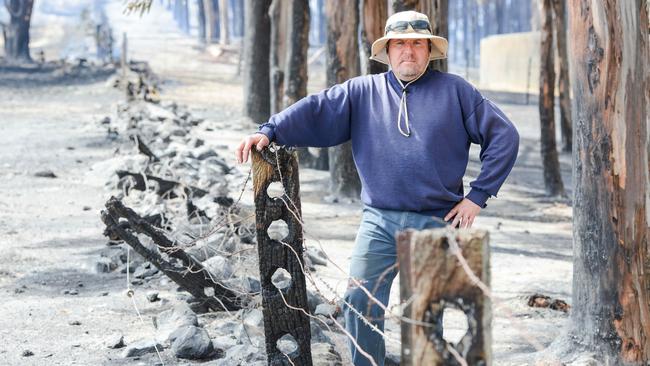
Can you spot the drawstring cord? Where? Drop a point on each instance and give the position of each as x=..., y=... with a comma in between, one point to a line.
x=404, y=106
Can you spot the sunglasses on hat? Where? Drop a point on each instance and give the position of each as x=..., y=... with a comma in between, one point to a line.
x=403, y=25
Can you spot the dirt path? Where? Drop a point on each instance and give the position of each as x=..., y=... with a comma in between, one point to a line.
x=50, y=230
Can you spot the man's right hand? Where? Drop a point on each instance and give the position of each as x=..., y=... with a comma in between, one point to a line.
x=258, y=139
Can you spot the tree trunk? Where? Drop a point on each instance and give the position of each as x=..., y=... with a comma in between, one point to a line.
x=564, y=84
x=238, y=17
x=297, y=46
x=256, y=60
x=16, y=33
x=278, y=13
x=295, y=73
x=611, y=267
x=201, y=19
x=212, y=28
x=552, y=177
x=223, y=22
x=342, y=64
x=372, y=19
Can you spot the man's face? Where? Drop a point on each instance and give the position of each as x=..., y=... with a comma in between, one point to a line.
x=408, y=57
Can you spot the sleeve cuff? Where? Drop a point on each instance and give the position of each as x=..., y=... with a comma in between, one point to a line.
x=267, y=131
x=479, y=197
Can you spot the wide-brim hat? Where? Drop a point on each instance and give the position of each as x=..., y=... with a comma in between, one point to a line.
x=438, y=44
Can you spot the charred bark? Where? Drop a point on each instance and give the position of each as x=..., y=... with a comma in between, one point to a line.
x=212, y=28
x=563, y=81
x=278, y=14
x=279, y=165
x=16, y=33
x=342, y=64
x=372, y=19
x=190, y=274
x=256, y=60
x=550, y=161
x=431, y=254
x=611, y=268
x=200, y=14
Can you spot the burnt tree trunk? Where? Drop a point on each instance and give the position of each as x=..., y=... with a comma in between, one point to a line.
x=212, y=28
x=16, y=33
x=342, y=64
x=552, y=177
x=564, y=84
x=611, y=267
x=201, y=19
x=256, y=60
x=295, y=73
x=372, y=19
x=223, y=22
x=278, y=14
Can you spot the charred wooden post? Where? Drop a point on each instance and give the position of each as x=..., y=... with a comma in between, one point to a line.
x=280, y=165
x=185, y=270
x=426, y=255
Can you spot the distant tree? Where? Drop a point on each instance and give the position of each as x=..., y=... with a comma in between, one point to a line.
x=257, y=32
x=550, y=162
x=16, y=33
x=372, y=18
x=212, y=27
x=564, y=83
x=224, y=37
x=611, y=260
x=200, y=14
x=278, y=13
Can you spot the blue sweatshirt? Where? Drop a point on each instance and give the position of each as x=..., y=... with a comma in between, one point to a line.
x=424, y=171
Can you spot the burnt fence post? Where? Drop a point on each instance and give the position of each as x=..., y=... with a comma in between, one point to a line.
x=282, y=324
x=431, y=280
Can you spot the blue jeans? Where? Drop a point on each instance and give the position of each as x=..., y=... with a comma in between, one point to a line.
x=373, y=265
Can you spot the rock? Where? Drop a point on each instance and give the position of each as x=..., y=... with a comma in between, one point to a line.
x=75, y=322
x=241, y=354
x=115, y=341
x=170, y=320
x=224, y=342
x=45, y=174
x=254, y=318
x=141, y=348
x=253, y=284
x=152, y=296
x=104, y=265
x=219, y=267
x=313, y=300
x=191, y=342
x=317, y=256
x=145, y=270
x=326, y=310
x=324, y=354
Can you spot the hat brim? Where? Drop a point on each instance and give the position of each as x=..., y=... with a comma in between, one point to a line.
x=438, y=49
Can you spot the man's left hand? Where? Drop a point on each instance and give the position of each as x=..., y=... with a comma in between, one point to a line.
x=463, y=214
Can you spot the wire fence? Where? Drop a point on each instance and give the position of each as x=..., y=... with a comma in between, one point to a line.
x=230, y=219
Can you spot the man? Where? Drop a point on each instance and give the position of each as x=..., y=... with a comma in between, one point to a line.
x=411, y=130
